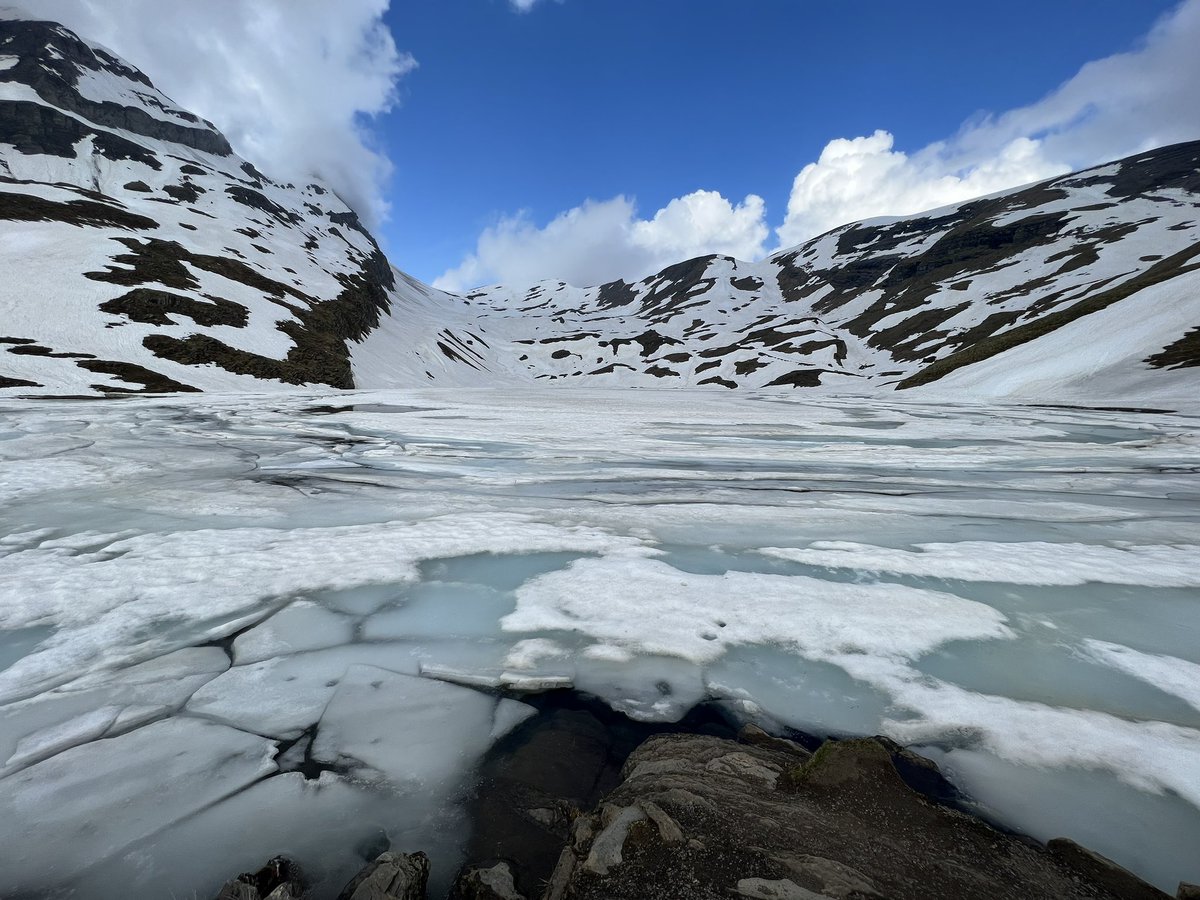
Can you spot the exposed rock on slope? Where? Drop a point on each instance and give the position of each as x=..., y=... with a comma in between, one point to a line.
x=882, y=304
x=141, y=254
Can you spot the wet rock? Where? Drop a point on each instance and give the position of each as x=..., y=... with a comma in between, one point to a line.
x=392, y=876
x=1104, y=871
x=752, y=734
x=279, y=879
x=700, y=818
x=495, y=883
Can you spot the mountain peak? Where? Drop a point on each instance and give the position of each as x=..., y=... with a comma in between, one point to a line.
x=45, y=64
x=144, y=255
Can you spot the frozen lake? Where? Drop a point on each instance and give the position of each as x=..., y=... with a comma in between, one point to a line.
x=235, y=626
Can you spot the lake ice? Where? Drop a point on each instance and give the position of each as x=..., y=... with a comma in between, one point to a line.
x=235, y=626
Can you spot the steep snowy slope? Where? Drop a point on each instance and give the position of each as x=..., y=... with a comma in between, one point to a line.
x=140, y=253
x=941, y=292
x=882, y=304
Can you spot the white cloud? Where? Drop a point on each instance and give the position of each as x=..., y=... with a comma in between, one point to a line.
x=864, y=177
x=1113, y=107
x=601, y=241
x=289, y=82
x=524, y=6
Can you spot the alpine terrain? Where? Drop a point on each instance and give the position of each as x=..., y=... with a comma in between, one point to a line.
x=141, y=254
x=866, y=570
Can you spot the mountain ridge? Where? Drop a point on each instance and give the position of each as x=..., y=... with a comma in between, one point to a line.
x=144, y=256
x=169, y=262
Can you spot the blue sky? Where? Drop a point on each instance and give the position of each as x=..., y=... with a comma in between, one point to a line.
x=654, y=99
x=594, y=139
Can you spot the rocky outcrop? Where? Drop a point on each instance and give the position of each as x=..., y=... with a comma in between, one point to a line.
x=392, y=876
x=279, y=879
x=493, y=883
x=49, y=59
x=531, y=789
x=700, y=817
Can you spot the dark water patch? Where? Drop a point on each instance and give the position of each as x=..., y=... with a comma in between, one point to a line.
x=568, y=756
x=1125, y=409
x=296, y=755
x=562, y=761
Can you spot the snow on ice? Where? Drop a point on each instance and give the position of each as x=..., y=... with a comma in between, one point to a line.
x=228, y=617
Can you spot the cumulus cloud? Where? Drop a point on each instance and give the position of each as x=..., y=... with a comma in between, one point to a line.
x=1113, y=107
x=864, y=177
x=291, y=83
x=602, y=241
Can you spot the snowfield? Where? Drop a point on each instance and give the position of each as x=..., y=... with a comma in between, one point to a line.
x=1013, y=590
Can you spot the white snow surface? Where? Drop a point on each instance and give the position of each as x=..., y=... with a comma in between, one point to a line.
x=1012, y=589
x=1014, y=562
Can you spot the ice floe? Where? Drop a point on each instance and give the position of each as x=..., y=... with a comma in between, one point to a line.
x=243, y=614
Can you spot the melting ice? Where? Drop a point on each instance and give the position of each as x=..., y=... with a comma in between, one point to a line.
x=232, y=627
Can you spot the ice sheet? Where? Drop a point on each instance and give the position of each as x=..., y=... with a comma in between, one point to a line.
x=88, y=803
x=1012, y=588
x=1015, y=562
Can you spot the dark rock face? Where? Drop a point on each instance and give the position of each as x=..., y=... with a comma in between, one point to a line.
x=33, y=128
x=19, y=207
x=55, y=77
x=393, y=876
x=699, y=817
x=495, y=883
x=279, y=879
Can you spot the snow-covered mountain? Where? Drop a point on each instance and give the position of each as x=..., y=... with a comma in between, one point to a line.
x=1083, y=285
x=141, y=254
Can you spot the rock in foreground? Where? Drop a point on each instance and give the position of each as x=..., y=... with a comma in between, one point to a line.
x=699, y=817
